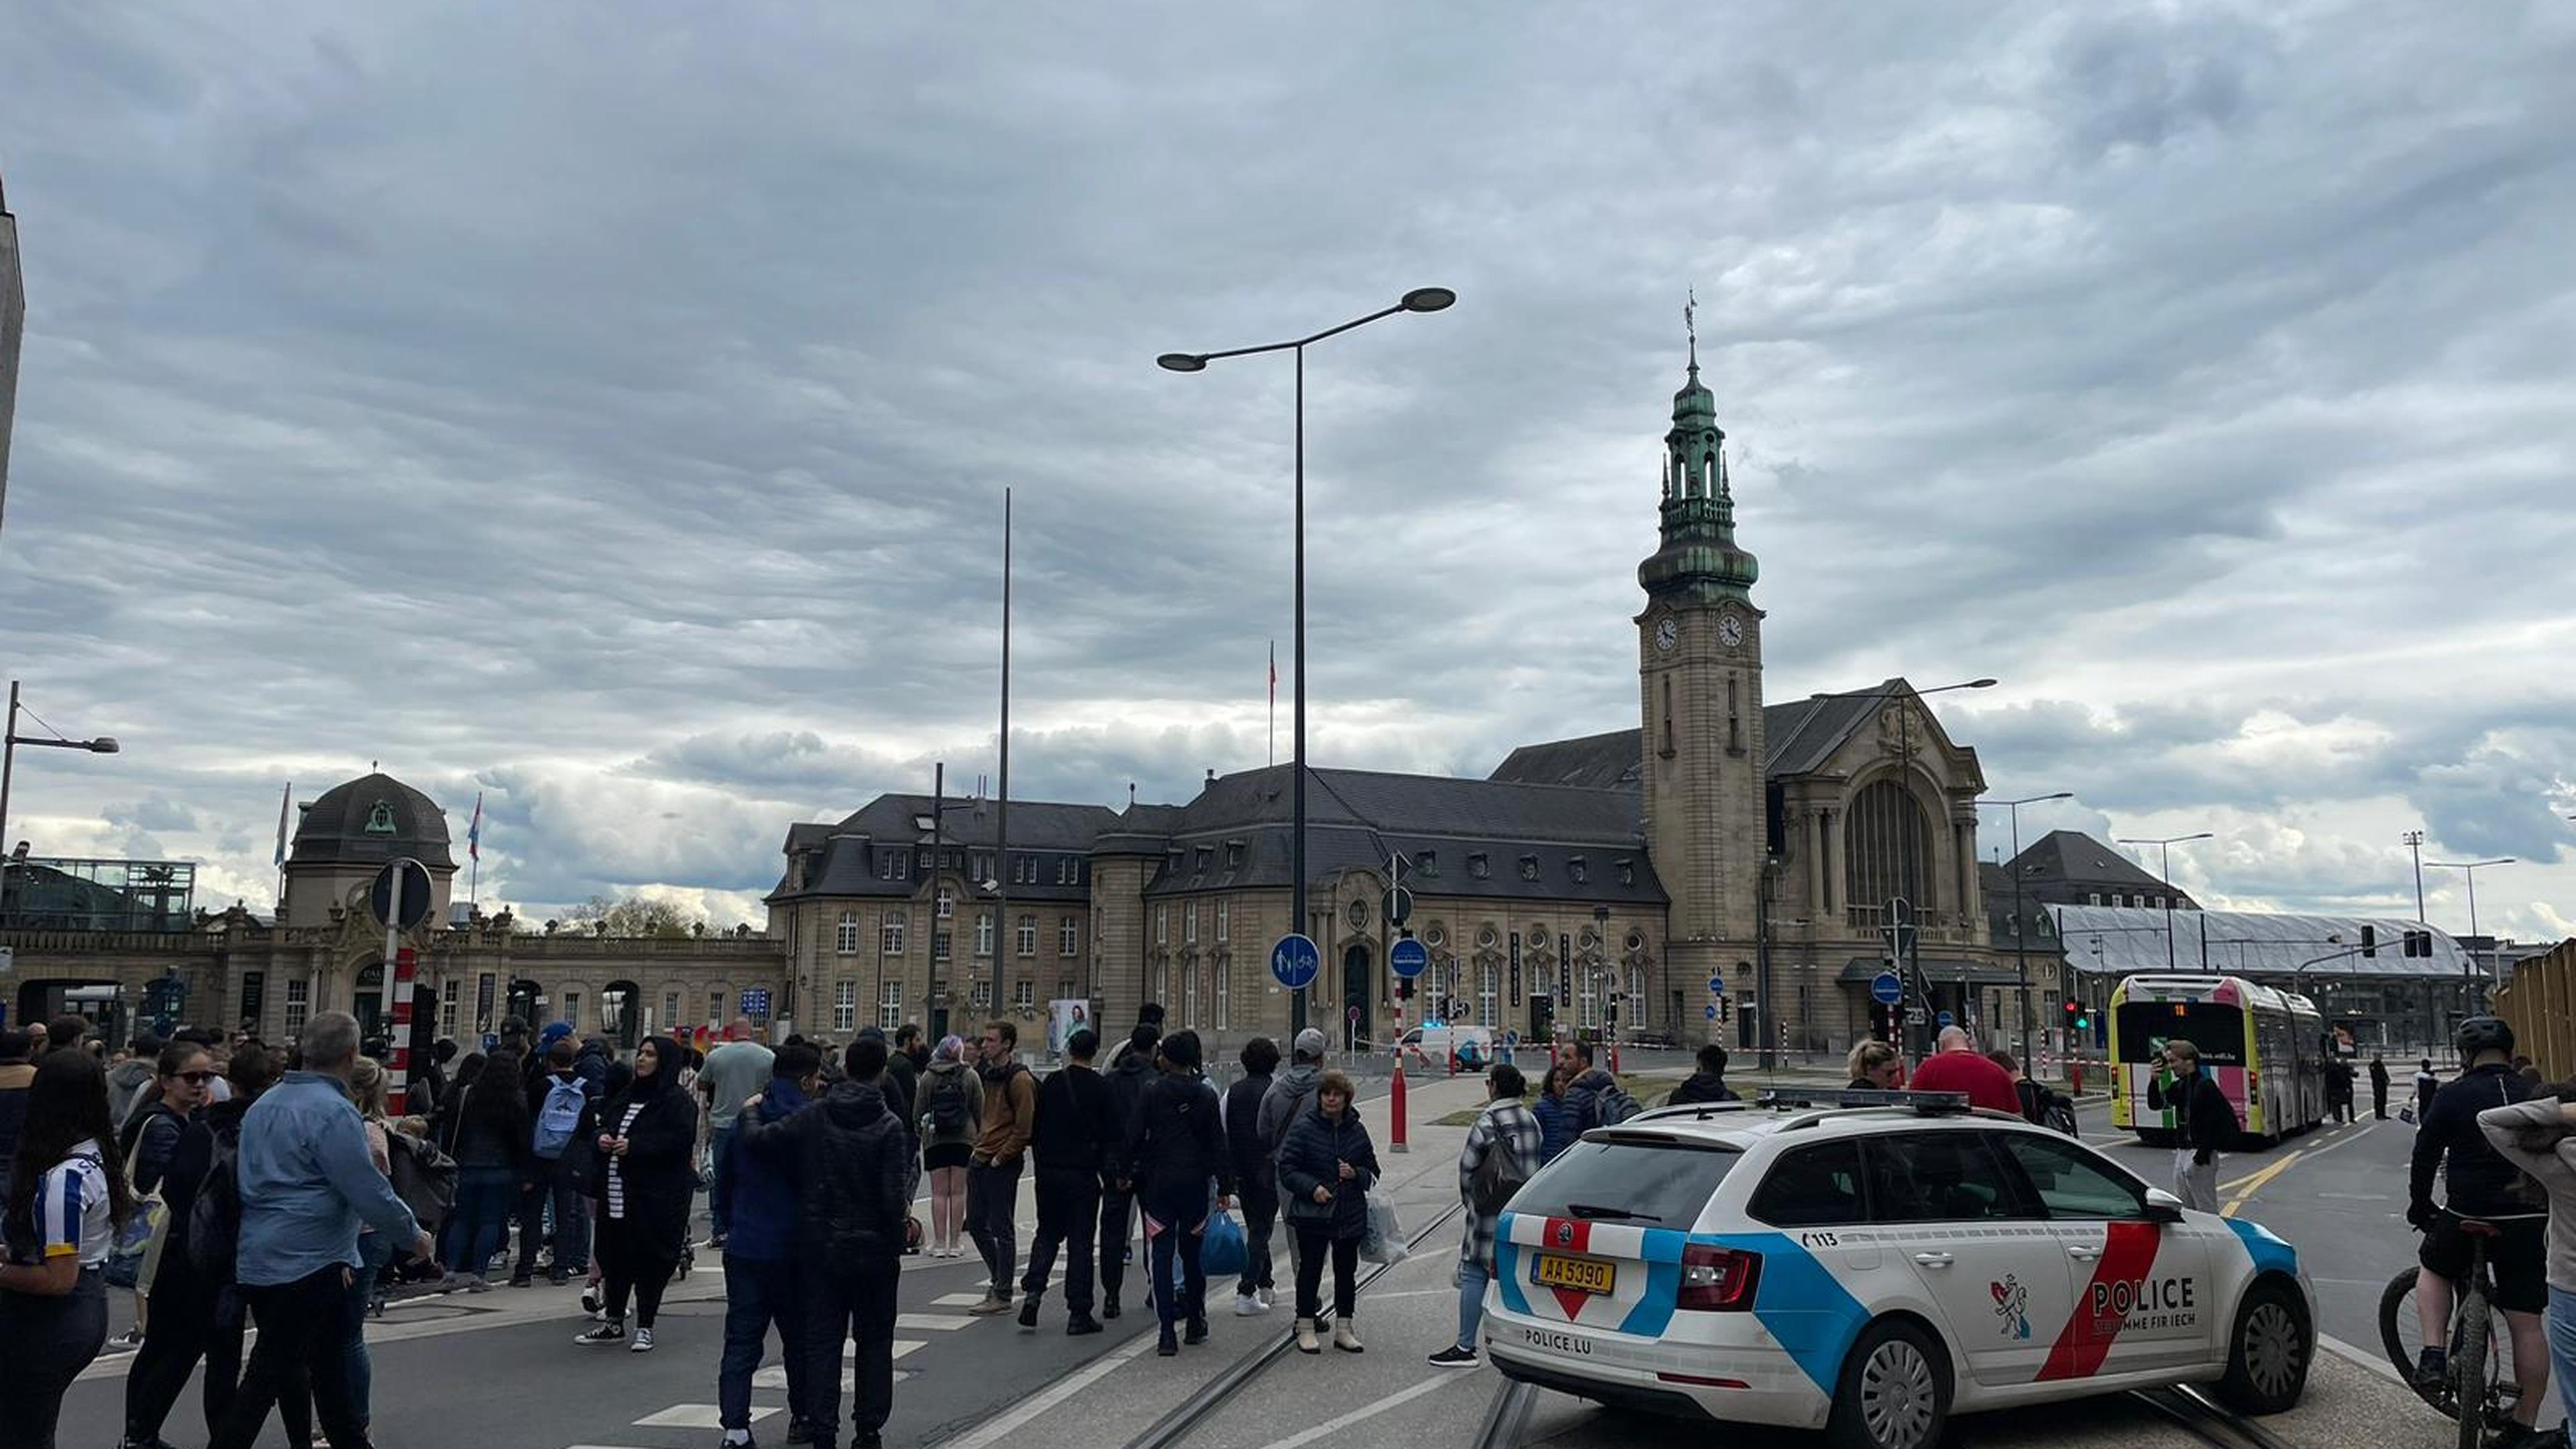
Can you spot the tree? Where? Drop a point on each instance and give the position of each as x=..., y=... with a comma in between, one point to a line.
x=632, y=916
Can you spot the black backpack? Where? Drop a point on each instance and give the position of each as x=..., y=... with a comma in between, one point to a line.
x=1498, y=1175
x=946, y=1107
x=214, y=1218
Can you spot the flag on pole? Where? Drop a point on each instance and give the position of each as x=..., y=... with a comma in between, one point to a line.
x=285, y=807
x=474, y=830
x=1274, y=671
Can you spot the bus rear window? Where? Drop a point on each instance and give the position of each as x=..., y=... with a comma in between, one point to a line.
x=1649, y=1182
x=2219, y=1031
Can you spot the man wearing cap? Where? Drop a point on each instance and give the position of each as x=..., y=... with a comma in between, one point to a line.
x=1288, y=1096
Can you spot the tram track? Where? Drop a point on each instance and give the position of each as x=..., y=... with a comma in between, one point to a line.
x=2193, y=1412
x=1176, y=1425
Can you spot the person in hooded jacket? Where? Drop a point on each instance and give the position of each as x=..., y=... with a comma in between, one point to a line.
x=1253, y=1179
x=846, y=1157
x=1175, y=1144
x=1128, y=1074
x=1708, y=1084
x=645, y=1185
x=763, y=1277
x=128, y=1080
x=1326, y=1167
x=1290, y=1094
x=1555, y=1125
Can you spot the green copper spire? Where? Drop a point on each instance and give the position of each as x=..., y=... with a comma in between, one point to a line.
x=1699, y=557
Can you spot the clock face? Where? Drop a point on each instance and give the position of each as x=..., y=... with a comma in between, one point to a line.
x=1730, y=631
x=1667, y=634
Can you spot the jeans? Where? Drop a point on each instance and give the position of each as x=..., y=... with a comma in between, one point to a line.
x=1068, y=1214
x=1183, y=1220
x=556, y=1191
x=760, y=1292
x=362, y=1296
x=1117, y=1215
x=719, y=1187
x=302, y=1328
x=479, y=1226
x=1315, y=1243
x=1260, y=1217
x=46, y=1342
x=2561, y=1326
x=1472, y=1279
x=992, y=1195
x=841, y=1307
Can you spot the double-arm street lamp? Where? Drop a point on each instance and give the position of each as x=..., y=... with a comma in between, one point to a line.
x=2164, y=870
x=2021, y=928
x=1910, y=935
x=10, y=740
x=2468, y=870
x=1420, y=299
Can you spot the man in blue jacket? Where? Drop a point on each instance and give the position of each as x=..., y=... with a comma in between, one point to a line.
x=761, y=1274
x=307, y=1182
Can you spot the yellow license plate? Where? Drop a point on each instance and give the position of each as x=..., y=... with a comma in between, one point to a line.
x=1590, y=1275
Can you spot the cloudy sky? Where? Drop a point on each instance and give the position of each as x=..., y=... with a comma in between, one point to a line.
x=607, y=408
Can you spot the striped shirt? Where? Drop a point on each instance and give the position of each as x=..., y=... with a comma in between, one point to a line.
x=72, y=1207
x=617, y=1165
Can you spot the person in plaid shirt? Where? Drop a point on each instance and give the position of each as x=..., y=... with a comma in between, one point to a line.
x=1506, y=1126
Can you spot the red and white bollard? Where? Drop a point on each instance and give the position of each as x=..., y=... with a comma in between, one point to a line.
x=398, y=1062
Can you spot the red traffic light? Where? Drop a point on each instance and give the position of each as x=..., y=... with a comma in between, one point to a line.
x=2072, y=1008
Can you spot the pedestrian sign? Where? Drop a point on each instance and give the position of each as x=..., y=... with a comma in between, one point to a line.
x=1886, y=988
x=1717, y=985
x=1295, y=963
x=1409, y=958
x=1709, y=1011
x=1946, y=1019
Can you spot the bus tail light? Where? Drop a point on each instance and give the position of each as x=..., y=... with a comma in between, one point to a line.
x=1720, y=1280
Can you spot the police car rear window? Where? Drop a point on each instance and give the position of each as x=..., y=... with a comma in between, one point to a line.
x=1650, y=1181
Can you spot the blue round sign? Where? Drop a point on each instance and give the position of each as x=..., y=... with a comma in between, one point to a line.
x=1295, y=963
x=1886, y=989
x=1717, y=985
x=1709, y=1011
x=1946, y=1019
x=1409, y=957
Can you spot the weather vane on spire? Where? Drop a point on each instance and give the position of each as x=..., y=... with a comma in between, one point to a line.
x=1690, y=323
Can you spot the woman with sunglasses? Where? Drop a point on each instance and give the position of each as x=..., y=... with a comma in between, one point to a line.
x=1875, y=1066
x=177, y=1090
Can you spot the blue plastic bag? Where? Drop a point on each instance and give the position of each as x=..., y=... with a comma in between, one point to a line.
x=1221, y=1252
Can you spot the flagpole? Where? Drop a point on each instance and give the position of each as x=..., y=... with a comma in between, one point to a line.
x=474, y=854
x=285, y=807
x=1274, y=702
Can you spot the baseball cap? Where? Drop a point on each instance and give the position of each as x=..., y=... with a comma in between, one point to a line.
x=1310, y=1043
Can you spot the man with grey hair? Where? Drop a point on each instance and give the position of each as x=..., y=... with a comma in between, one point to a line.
x=306, y=1183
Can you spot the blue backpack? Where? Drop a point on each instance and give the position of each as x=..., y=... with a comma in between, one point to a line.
x=559, y=1117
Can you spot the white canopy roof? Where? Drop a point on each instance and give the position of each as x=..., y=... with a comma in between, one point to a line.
x=2251, y=943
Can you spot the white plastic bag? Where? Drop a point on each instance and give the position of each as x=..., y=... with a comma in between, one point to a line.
x=1384, y=1242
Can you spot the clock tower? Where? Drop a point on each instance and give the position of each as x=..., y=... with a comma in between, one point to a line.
x=1700, y=664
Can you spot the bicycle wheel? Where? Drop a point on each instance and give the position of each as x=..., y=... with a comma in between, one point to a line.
x=2402, y=1334
x=2471, y=1325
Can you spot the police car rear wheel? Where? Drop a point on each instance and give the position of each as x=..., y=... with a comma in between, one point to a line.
x=2267, y=1356
x=1895, y=1391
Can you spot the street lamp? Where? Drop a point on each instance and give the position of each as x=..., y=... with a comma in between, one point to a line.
x=1420, y=299
x=1913, y=938
x=10, y=740
x=2165, y=869
x=2021, y=930
x=2468, y=958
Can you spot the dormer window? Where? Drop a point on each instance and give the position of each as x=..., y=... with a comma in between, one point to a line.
x=1479, y=864
x=1627, y=870
x=1234, y=855
x=380, y=818
x=1579, y=868
x=1426, y=863
x=1529, y=867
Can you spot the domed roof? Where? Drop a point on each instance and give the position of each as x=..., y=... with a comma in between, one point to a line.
x=371, y=820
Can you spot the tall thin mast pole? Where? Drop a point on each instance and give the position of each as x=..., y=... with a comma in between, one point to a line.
x=1010, y=937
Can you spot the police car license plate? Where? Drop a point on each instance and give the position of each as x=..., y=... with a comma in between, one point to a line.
x=1590, y=1275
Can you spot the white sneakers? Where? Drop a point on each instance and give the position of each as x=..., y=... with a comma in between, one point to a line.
x=1249, y=1305
x=643, y=1341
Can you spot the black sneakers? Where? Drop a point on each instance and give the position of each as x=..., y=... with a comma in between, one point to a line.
x=1454, y=1357
x=2431, y=1366
x=1081, y=1324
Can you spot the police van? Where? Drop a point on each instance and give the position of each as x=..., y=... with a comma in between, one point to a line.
x=1868, y=1263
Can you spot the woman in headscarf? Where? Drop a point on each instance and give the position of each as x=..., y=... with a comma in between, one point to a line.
x=951, y=1105
x=644, y=1183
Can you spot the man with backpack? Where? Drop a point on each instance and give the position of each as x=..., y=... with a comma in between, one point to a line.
x=1594, y=1098
x=993, y=1168
x=1502, y=1152
x=552, y=1185
x=763, y=1274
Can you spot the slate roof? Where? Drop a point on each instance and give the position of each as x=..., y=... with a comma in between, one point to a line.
x=1798, y=737
x=845, y=859
x=2064, y=866
x=333, y=830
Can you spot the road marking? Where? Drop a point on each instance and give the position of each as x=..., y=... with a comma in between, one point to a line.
x=995, y=1431
x=1355, y=1416
x=956, y=1300
x=2354, y=1354
x=2254, y=1184
x=942, y=1322
x=695, y=1416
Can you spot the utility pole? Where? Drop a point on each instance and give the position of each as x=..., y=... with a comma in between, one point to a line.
x=2415, y=846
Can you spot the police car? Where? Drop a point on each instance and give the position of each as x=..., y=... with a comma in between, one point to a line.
x=1868, y=1263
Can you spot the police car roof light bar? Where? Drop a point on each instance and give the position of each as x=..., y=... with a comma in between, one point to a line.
x=1925, y=1102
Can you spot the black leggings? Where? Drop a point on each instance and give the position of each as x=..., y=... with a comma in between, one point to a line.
x=1315, y=1242
x=632, y=1259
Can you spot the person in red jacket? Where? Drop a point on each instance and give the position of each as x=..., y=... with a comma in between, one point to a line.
x=1957, y=1066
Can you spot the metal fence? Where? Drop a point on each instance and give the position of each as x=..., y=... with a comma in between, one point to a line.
x=2540, y=1004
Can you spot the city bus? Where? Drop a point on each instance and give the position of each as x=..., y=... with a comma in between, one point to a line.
x=2264, y=1048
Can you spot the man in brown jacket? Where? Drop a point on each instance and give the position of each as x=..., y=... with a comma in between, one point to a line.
x=993, y=1169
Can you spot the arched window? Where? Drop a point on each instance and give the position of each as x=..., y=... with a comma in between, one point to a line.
x=1886, y=848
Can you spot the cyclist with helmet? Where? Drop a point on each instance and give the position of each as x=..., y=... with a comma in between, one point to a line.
x=2479, y=1183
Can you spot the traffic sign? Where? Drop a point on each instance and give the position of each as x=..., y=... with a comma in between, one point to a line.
x=755, y=1002
x=1709, y=1011
x=1295, y=963
x=1409, y=957
x=1399, y=906
x=415, y=895
x=1897, y=930
x=1886, y=988
x=1946, y=1019
x=1717, y=985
